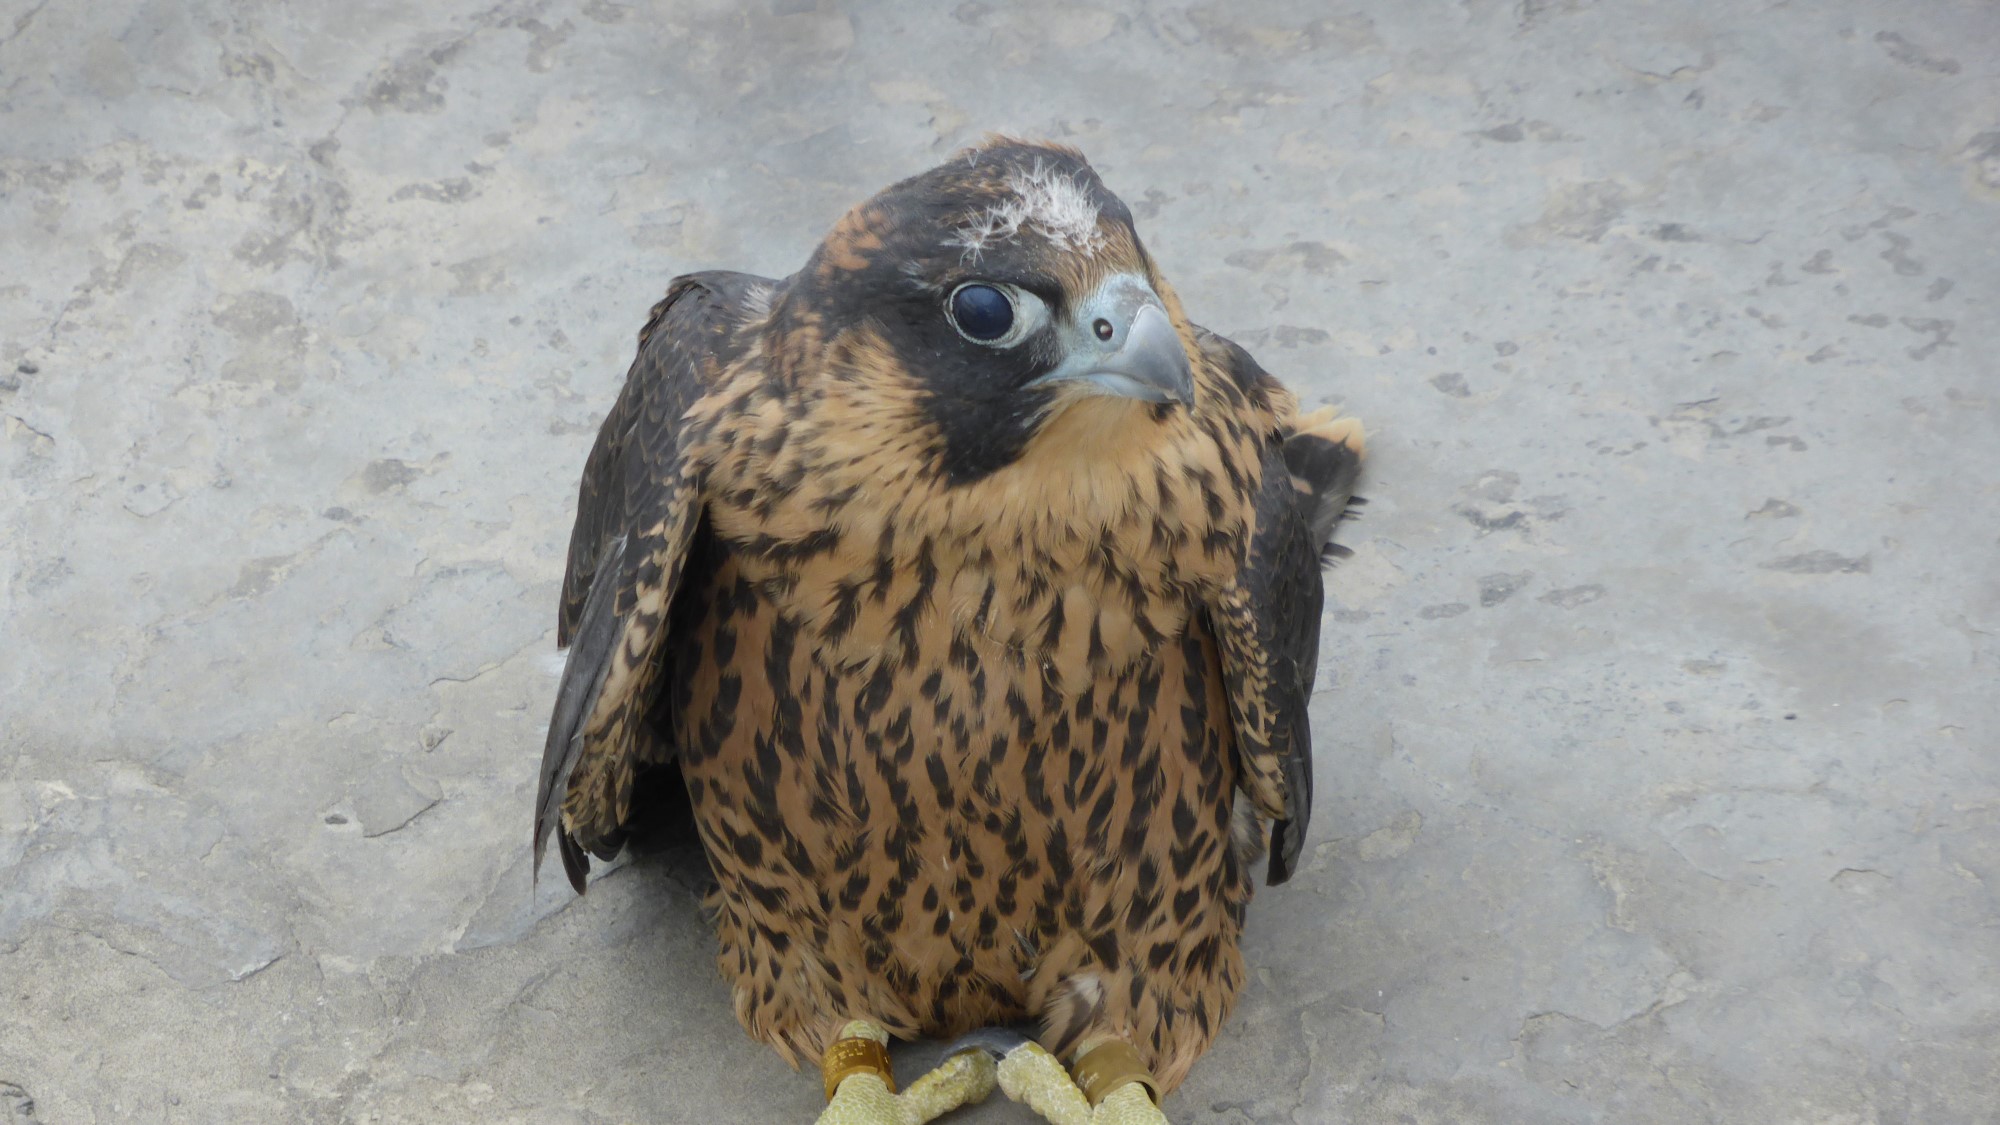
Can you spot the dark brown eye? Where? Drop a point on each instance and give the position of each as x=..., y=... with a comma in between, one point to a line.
x=982, y=312
x=1103, y=328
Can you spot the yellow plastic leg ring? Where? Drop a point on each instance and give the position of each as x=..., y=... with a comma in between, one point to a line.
x=1033, y=1077
x=862, y=1091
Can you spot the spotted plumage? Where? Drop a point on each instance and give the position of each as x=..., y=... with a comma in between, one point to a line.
x=964, y=651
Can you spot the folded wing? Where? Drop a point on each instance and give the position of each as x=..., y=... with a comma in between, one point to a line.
x=638, y=509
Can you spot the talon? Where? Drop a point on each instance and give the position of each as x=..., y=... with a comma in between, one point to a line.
x=1123, y=1087
x=861, y=1090
x=995, y=1041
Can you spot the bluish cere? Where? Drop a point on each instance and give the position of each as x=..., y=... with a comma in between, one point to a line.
x=982, y=312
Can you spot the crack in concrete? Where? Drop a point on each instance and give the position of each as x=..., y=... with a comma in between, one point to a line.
x=474, y=678
x=30, y=427
x=405, y=822
x=18, y=1104
x=239, y=978
x=22, y=21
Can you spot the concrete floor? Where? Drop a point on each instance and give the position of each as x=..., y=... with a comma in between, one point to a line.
x=1657, y=753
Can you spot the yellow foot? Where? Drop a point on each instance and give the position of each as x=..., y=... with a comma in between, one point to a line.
x=1111, y=1071
x=861, y=1091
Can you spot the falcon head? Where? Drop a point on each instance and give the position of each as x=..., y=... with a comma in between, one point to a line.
x=989, y=295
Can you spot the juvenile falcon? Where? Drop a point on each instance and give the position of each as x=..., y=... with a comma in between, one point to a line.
x=973, y=594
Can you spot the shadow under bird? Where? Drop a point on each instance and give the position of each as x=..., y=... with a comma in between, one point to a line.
x=972, y=593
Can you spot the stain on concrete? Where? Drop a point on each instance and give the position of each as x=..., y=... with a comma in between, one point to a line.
x=1569, y=597
x=387, y=473
x=413, y=82
x=1284, y=336
x=1821, y=562
x=1909, y=54
x=1309, y=257
x=1939, y=330
x=1775, y=509
x=1581, y=211
x=1982, y=158
x=1898, y=258
x=1497, y=588
x=457, y=189
x=1391, y=840
x=1451, y=383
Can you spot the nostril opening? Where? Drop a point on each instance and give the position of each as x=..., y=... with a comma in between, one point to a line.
x=1103, y=328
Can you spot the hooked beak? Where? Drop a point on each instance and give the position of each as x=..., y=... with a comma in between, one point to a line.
x=1121, y=343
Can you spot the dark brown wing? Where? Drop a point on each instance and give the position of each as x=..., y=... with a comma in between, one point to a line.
x=637, y=510
x=1267, y=623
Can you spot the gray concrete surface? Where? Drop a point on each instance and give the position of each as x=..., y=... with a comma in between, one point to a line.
x=1658, y=745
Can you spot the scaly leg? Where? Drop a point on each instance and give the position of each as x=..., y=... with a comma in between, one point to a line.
x=861, y=1091
x=1111, y=1086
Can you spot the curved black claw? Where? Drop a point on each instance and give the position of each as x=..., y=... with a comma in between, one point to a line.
x=995, y=1041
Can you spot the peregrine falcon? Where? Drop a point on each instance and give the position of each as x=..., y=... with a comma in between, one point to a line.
x=972, y=593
